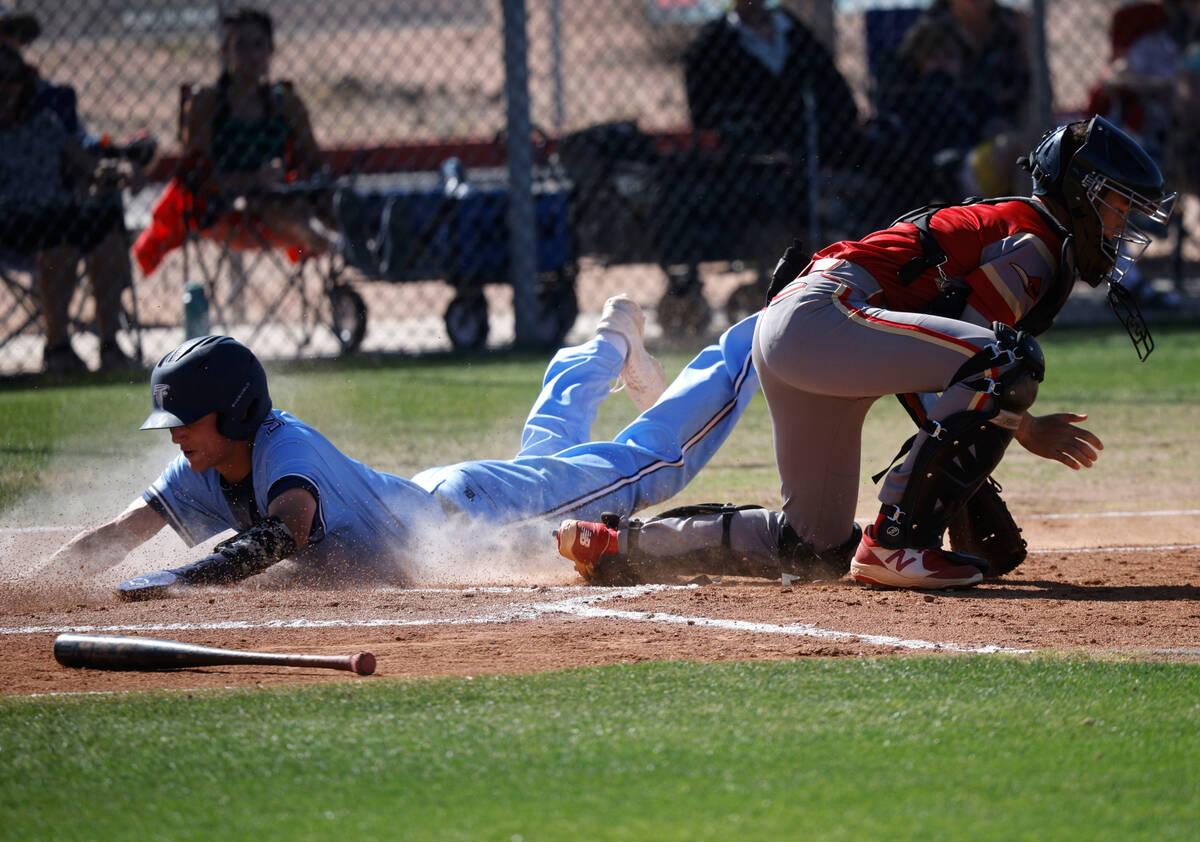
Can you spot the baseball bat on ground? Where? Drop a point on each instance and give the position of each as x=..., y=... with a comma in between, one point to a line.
x=113, y=652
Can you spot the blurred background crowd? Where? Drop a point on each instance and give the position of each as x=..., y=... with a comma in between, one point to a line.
x=407, y=176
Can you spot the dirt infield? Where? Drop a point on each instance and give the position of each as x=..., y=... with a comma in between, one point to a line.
x=1112, y=585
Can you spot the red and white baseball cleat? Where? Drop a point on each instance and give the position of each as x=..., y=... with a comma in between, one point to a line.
x=584, y=543
x=930, y=568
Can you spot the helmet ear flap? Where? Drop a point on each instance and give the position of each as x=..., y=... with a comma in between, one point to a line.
x=231, y=424
x=1048, y=158
x=241, y=420
x=1050, y=162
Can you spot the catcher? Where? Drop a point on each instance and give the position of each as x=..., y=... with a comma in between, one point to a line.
x=947, y=300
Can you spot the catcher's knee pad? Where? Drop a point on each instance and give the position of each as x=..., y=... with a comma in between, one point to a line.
x=961, y=450
x=1009, y=369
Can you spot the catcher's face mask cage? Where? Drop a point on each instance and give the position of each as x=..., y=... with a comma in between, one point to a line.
x=1121, y=213
x=1105, y=181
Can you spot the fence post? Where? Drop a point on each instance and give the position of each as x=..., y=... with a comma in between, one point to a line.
x=1043, y=107
x=556, y=61
x=522, y=238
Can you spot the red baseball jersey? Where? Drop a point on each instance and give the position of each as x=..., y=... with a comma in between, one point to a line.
x=1006, y=253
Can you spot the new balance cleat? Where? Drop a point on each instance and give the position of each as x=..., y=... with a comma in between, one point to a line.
x=927, y=568
x=642, y=377
x=584, y=543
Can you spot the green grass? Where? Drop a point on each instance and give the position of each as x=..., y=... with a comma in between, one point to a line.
x=925, y=748
x=919, y=748
x=406, y=415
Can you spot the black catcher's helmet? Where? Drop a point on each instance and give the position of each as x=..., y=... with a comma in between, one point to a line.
x=1080, y=166
x=210, y=374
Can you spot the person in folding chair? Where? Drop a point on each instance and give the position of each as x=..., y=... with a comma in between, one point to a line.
x=53, y=206
x=248, y=144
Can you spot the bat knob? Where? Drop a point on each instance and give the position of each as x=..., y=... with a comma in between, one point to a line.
x=363, y=663
x=158, y=585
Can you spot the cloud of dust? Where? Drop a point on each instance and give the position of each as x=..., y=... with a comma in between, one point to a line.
x=481, y=554
x=99, y=489
x=442, y=554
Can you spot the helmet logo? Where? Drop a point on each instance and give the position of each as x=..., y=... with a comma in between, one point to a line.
x=159, y=394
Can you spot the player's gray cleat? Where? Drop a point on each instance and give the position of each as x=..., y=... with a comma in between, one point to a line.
x=642, y=377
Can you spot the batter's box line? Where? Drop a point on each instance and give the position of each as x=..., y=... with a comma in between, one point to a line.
x=1141, y=549
x=514, y=612
x=583, y=607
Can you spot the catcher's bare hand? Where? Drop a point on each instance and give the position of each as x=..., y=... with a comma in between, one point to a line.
x=1056, y=437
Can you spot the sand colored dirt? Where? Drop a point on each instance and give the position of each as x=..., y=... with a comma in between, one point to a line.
x=1105, y=586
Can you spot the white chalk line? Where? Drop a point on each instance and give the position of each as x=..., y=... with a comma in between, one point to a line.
x=1142, y=549
x=21, y=530
x=582, y=606
x=1155, y=513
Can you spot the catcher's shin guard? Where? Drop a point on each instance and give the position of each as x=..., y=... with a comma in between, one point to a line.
x=961, y=450
x=713, y=558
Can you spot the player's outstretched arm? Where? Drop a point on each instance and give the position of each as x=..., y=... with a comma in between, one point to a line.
x=296, y=508
x=1056, y=437
x=251, y=551
x=95, y=550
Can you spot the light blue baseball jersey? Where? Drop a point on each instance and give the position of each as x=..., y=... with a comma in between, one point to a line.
x=371, y=521
x=365, y=518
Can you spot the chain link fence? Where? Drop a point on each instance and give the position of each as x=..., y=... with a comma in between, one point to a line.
x=484, y=172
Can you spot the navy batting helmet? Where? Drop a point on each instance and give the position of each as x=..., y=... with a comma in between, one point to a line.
x=1080, y=166
x=210, y=374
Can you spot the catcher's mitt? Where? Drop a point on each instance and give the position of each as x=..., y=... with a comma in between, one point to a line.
x=985, y=528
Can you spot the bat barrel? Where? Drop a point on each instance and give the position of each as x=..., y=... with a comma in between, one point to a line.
x=145, y=653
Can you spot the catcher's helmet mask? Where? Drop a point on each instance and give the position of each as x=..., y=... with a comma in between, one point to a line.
x=1082, y=175
x=210, y=374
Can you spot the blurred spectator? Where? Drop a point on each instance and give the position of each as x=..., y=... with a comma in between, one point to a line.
x=748, y=71
x=18, y=30
x=1137, y=88
x=52, y=206
x=1186, y=138
x=1184, y=149
x=1137, y=92
x=966, y=87
x=1183, y=22
x=256, y=134
x=757, y=74
x=245, y=137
